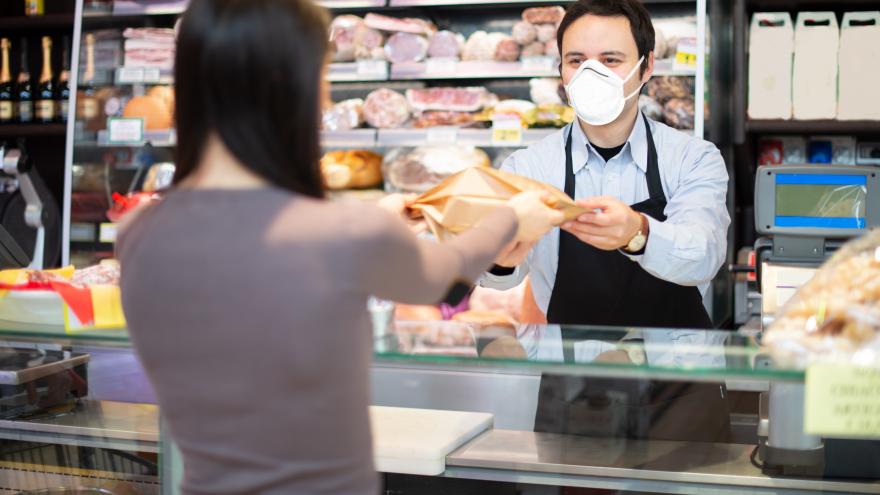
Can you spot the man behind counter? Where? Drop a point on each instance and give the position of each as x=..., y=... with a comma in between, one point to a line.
x=658, y=233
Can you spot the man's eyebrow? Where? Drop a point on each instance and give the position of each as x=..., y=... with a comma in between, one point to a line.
x=574, y=54
x=614, y=53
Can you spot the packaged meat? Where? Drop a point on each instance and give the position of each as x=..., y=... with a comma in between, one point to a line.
x=535, y=49
x=434, y=119
x=545, y=91
x=351, y=169
x=482, y=46
x=679, y=113
x=396, y=25
x=660, y=43
x=546, y=32
x=544, y=15
x=445, y=44
x=344, y=116
x=836, y=315
x=524, y=33
x=446, y=99
x=419, y=169
x=105, y=273
x=368, y=44
x=343, y=31
x=149, y=47
x=651, y=108
x=507, y=50
x=404, y=48
x=386, y=109
x=551, y=49
x=664, y=88
x=553, y=115
x=525, y=110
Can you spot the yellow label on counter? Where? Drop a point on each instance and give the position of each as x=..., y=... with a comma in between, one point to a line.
x=107, y=302
x=507, y=131
x=842, y=401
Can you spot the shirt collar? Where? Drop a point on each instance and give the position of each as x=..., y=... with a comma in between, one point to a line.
x=636, y=145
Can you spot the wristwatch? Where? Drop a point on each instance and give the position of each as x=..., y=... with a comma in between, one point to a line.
x=637, y=243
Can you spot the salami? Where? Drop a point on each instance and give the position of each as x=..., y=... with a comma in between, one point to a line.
x=507, y=50
x=368, y=44
x=535, y=49
x=482, y=46
x=546, y=32
x=544, y=15
x=447, y=99
x=524, y=32
x=551, y=49
x=343, y=31
x=445, y=44
x=386, y=109
x=344, y=115
x=395, y=25
x=406, y=47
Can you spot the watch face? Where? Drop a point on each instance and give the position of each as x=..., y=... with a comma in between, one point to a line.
x=636, y=244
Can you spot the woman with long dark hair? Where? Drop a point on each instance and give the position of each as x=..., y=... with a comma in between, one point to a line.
x=245, y=290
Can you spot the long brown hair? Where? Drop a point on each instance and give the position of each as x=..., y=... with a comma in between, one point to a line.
x=250, y=71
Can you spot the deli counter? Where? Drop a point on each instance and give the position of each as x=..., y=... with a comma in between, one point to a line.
x=467, y=408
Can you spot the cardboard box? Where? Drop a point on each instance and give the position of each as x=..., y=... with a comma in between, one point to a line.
x=860, y=66
x=771, y=46
x=814, y=80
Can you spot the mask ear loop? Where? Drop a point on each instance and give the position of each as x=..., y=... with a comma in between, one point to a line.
x=632, y=73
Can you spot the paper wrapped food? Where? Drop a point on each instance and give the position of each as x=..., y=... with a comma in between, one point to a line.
x=836, y=315
x=462, y=200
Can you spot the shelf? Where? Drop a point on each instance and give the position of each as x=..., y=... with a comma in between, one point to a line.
x=42, y=22
x=454, y=3
x=9, y=131
x=814, y=126
x=352, y=4
x=122, y=9
x=390, y=138
x=800, y=5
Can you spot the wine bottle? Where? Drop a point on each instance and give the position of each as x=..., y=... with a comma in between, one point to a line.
x=24, y=89
x=45, y=105
x=7, y=89
x=62, y=89
x=86, y=102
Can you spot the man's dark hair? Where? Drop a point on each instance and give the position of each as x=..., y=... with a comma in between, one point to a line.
x=638, y=16
x=250, y=72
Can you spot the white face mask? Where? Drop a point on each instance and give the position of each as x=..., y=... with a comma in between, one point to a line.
x=596, y=92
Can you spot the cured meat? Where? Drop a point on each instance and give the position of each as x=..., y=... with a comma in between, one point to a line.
x=345, y=115
x=396, y=25
x=445, y=44
x=368, y=44
x=544, y=15
x=419, y=169
x=535, y=49
x=545, y=91
x=106, y=273
x=447, y=99
x=434, y=119
x=343, y=31
x=664, y=88
x=546, y=32
x=406, y=47
x=386, y=109
x=524, y=32
x=482, y=46
x=507, y=50
x=551, y=49
x=679, y=113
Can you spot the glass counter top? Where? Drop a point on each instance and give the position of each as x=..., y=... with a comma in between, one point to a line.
x=670, y=354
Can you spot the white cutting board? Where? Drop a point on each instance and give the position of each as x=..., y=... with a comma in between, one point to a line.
x=417, y=441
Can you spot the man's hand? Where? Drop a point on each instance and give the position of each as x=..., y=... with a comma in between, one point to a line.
x=514, y=254
x=609, y=225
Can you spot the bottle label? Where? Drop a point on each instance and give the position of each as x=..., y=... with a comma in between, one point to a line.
x=25, y=111
x=89, y=108
x=45, y=109
x=64, y=109
x=6, y=111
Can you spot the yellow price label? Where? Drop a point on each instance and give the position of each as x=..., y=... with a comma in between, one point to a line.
x=686, y=59
x=842, y=401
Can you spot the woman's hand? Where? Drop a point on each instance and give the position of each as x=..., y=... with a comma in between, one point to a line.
x=396, y=204
x=535, y=217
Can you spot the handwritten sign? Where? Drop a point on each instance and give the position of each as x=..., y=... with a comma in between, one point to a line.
x=125, y=130
x=507, y=131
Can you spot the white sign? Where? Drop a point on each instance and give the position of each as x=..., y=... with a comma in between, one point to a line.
x=441, y=65
x=372, y=69
x=107, y=233
x=152, y=75
x=507, y=130
x=129, y=75
x=125, y=131
x=540, y=64
x=442, y=135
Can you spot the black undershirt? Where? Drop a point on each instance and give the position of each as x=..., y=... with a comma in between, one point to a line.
x=607, y=154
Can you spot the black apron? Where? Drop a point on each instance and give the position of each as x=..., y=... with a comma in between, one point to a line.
x=605, y=288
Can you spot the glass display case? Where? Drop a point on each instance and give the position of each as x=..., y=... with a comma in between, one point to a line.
x=640, y=410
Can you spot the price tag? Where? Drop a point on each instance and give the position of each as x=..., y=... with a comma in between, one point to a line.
x=372, y=69
x=442, y=135
x=152, y=75
x=441, y=65
x=107, y=233
x=507, y=131
x=842, y=401
x=125, y=131
x=686, y=55
x=540, y=64
x=129, y=75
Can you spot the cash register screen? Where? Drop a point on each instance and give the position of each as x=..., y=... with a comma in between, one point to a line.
x=821, y=201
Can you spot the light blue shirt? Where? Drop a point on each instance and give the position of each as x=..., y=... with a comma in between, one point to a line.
x=687, y=249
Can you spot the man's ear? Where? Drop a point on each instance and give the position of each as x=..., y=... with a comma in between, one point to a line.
x=649, y=70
